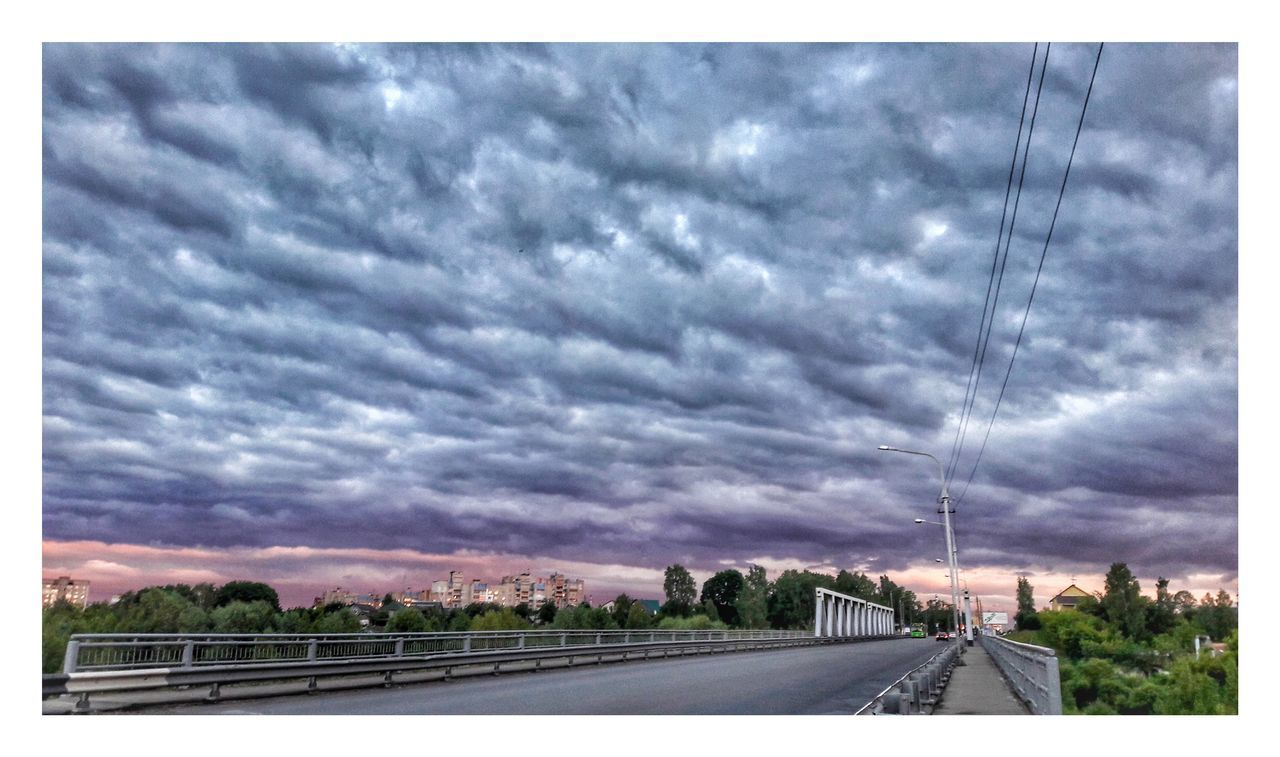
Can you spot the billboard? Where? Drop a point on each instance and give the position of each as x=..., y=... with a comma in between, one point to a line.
x=995, y=618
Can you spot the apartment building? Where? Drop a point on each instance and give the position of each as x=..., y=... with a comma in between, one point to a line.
x=66, y=589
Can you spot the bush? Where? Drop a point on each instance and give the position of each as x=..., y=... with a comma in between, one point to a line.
x=1067, y=632
x=340, y=621
x=243, y=617
x=1027, y=621
x=500, y=620
x=693, y=623
x=406, y=620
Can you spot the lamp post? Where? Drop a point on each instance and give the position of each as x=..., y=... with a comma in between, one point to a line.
x=944, y=499
x=968, y=610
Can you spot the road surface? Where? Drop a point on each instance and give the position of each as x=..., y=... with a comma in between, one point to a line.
x=835, y=679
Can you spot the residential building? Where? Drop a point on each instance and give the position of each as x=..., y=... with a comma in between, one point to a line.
x=564, y=592
x=65, y=589
x=342, y=597
x=1068, y=598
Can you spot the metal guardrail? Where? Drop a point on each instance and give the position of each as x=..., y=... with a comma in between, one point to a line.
x=1032, y=672
x=115, y=663
x=102, y=652
x=918, y=691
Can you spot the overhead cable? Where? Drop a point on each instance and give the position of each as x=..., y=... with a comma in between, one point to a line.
x=1061, y=191
x=965, y=406
x=1017, y=199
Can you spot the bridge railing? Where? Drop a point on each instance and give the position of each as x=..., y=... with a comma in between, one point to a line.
x=1032, y=672
x=105, y=652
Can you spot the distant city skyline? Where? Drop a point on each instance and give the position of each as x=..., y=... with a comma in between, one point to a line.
x=322, y=315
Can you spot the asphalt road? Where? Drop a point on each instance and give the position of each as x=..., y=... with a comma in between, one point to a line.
x=837, y=679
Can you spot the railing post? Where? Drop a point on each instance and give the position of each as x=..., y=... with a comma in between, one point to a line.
x=563, y=640
x=1054, y=687
x=521, y=644
x=70, y=660
x=312, y=647
x=399, y=648
x=188, y=654
x=466, y=643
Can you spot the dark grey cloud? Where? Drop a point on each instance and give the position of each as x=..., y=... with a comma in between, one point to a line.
x=637, y=303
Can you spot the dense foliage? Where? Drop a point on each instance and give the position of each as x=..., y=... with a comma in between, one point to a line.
x=1124, y=653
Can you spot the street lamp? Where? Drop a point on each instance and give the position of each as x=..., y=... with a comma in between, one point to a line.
x=968, y=610
x=944, y=499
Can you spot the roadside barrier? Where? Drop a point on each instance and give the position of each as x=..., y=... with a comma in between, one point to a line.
x=918, y=691
x=1032, y=672
x=114, y=663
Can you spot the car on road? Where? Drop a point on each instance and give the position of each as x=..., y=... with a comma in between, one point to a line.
x=942, y=636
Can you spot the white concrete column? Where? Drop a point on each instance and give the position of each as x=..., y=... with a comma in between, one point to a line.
x=831, y=612
x=817, y=617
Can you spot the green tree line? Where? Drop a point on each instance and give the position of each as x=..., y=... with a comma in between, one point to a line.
x=1124, y=653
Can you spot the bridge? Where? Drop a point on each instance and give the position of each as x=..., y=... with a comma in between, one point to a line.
x=851, y=662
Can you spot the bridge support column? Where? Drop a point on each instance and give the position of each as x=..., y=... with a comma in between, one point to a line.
x=817, y=616
x=840, y=618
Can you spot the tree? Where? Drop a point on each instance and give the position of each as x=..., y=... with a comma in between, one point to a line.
x=856, y=585
x=406, y=620
x=1026, y=618
x=1217, y=616
x=621, y=607
x=547, y=613
x=247, y=591
x=243, y=617
x=681, y=590
x=1026, y=598
x=722, y=591
x=791, y=602
x=637, y=617
x=753, y=602
x=458, y=622
x=342, y=620
x=499, y=620
x=1184, y=603
x=1122, y=601
x=1162, y=614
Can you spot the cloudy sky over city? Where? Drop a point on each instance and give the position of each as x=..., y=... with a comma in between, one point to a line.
x=359, y=315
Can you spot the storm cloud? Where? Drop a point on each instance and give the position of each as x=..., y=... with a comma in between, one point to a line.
x=637, y=304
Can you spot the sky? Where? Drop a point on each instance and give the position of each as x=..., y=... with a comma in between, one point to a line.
x=357, y=315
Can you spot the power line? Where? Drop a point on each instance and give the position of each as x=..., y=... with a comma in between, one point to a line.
x=966, y=406
x=1061, y=191
x=1017, y=199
